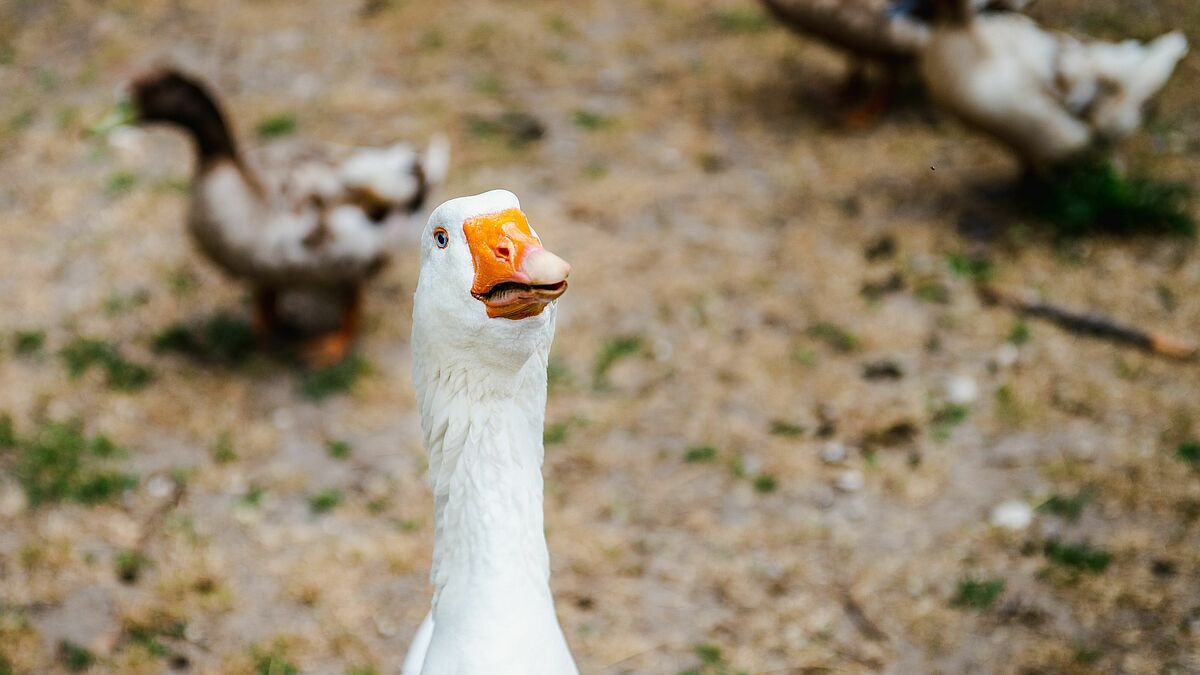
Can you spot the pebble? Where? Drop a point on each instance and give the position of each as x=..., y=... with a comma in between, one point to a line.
x=1007, y=355
x=160, y=486
x=834, y=452
x=12, y=501
x=962, y=390
x=850, y=480
x=1013, y=514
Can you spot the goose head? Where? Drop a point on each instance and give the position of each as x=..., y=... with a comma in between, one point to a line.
x=487, y=285
x=167, y=96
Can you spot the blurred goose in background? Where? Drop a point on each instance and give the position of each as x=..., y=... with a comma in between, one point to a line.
x=887, y=33
x=295, y=220
x=483, y=321
x=1048, y=96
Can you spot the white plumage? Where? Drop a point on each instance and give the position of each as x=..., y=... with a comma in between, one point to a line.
x=481, y=389
x=1047, y=95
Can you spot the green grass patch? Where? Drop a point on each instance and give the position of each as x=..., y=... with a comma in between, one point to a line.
x=129, y=565
x=120, y=373
x=591, y=121
x=977, y=594
x=946, y=418
x=338, y=449
x=1095, y=198
x=339, y=378
x=712, y=661
x=1020, y=333
x=517, y=128
x=253, y=496
x=765, y=483
x=8, y=432
x=1189, y=451
x=742, y=20
x=59, y=463
x=116, y=305
x=28, y=342
x=973, y=267
x=557, y=373
x=805, y=357
x=786, y=429
x=120, y=183
x=275, y=126
x=555, y=433
x=222, y=338
x=1063, y=506
x=75, y=658
x=699, y=454
x=149, y=636
x=610, y=352
x=1080, y=556
x=837, y=338
x=326, y=500
x=222, y=449
x=273, y=662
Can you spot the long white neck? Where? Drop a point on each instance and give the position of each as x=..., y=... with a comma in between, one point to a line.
x=483, y=431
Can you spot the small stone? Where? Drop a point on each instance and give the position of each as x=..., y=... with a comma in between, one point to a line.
x=1007, y=355
x=850, y=480
x=128, y=143
x=834, y=452
x=160, y=486
x=12, y=501
x=961, y=390
x=1013, y=515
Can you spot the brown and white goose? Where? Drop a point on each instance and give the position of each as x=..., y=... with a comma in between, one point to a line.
x=293, y=219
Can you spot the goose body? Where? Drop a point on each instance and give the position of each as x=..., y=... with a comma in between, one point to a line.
x=891, y=31
x=1048, y=96
x=296, y=218
x=483, y=321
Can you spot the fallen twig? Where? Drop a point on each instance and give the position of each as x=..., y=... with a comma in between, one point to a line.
x=1097, y=325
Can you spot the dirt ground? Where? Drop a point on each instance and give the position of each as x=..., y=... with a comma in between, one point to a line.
x=764, y=454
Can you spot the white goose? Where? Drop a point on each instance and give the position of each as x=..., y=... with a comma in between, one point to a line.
x=483, y=320
x=1046, y=95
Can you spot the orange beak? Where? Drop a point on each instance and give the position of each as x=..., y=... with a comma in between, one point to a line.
x=515, y=277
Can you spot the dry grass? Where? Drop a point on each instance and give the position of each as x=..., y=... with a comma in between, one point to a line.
x=722, y=313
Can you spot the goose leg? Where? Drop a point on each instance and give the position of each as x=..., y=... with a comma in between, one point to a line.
x=866, y=113
x=330, y=348
x=265, y=316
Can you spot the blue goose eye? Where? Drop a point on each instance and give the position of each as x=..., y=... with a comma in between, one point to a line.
x=441, y=238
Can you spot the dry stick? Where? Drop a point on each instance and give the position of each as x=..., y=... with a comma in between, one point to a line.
x=1098, y=325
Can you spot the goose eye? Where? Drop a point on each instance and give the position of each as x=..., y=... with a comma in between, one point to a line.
x=441, y=238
